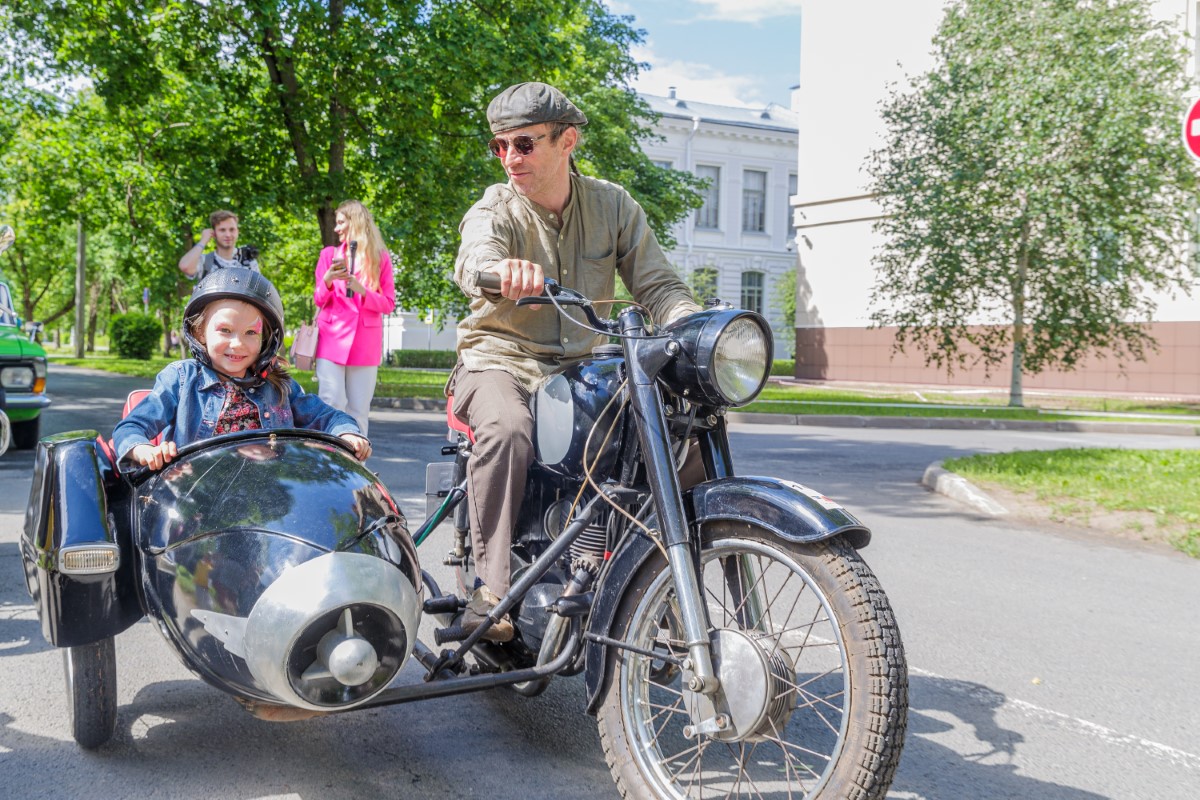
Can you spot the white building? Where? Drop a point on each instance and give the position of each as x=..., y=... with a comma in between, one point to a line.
x=741, y=235
x=846, y=68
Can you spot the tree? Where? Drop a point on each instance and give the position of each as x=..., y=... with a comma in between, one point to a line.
x=1034, y=186
x=783, y=300
x=293, y=106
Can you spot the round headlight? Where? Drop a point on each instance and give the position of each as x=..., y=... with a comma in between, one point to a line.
x=724, y=358
x=18, y=378
x=741, y=360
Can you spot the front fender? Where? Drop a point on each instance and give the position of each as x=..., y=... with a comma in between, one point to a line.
x=790, y=510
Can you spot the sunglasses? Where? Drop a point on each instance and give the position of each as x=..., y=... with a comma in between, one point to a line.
x=522, y=144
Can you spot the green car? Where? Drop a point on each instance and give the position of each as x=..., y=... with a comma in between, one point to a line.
x=22, y=370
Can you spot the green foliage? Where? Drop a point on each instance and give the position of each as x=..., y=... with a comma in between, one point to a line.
x=281, y=109
x=783, y=366
x=134, y=335
x=703, y=283
x=425, y=359
x=1034, y=183
x=783, y=301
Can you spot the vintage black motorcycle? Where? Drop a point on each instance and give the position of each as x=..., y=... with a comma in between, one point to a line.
x=732, y=641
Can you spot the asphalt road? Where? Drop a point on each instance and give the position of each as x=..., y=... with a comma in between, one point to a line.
x=1043, y=664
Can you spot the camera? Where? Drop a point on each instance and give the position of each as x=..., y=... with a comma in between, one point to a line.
x=246, y=255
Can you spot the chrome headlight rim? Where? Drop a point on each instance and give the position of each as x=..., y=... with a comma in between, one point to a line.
x=693, y=373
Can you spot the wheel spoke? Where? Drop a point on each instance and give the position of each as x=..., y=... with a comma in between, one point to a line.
x=760, y=592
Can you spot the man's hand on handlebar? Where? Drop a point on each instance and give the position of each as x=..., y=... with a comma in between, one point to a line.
x=519, y=278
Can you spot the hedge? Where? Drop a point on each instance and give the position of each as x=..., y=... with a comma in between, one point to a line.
x=424, y=359
x=134, y=335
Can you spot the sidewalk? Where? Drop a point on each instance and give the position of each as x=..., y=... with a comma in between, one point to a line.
x=867, y=421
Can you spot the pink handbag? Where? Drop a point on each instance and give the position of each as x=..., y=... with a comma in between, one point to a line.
x=304, y=347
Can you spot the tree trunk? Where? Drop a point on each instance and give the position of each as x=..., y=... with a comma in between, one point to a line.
x=94, y=313
x=1016, y=396
x=80, y=286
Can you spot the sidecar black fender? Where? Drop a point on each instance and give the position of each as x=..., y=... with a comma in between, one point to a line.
x=78, y=568
x=790, y=510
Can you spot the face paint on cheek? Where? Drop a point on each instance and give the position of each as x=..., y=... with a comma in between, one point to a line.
x=257, y=326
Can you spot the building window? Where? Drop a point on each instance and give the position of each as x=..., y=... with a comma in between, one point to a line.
x=752, y=291
x=708, y=215
x=754, y=201
x=662, y=164
x=792, y=189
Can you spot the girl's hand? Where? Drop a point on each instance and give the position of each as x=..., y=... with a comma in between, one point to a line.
x=362, y=447
x=154, y=457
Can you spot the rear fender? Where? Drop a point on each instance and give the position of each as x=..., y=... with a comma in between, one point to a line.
x=68, y=513
x=790, y=510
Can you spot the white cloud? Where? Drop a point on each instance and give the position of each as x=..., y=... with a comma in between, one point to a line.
x=747, y=10
x=694, y=81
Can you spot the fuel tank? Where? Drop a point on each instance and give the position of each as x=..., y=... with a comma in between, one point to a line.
x=279, y=568
x=568, y=406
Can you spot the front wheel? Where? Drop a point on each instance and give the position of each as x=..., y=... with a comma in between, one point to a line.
x=814, y=686
x=91, y=672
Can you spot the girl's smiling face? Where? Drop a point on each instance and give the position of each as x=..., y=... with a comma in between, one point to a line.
x=233, y=336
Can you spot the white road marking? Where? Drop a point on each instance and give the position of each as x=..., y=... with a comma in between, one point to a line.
x=1071, y=724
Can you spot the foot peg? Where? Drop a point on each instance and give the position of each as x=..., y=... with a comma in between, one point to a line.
x=454, y=633
x=446, y=604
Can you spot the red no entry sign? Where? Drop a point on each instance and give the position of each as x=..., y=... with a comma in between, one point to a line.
x=1191, y=129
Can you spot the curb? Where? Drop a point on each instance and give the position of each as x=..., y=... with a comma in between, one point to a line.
x=964, y=423
x=959, y=488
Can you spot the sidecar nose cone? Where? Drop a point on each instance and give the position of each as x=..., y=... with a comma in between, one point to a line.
x=353, y=662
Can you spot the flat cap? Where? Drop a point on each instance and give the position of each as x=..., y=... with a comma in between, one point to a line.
x=531, y=104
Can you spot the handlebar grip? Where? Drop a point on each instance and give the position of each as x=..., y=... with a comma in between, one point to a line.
x=488, y=281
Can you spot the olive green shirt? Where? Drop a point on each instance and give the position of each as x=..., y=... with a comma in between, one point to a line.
x=602, y=232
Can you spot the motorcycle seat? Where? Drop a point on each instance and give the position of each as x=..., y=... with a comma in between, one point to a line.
x=455, y=423
x=106, y=445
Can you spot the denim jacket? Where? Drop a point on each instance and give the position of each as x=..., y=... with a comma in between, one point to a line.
x=187, y=399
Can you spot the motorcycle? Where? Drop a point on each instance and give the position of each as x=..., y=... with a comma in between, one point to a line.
x=732, y=641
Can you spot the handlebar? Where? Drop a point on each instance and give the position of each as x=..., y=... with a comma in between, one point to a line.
x=553, y=293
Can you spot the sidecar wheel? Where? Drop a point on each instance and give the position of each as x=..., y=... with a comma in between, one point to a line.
x=814, y=697
x=91, y=672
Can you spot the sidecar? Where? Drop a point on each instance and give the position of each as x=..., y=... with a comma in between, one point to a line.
x=277, y=567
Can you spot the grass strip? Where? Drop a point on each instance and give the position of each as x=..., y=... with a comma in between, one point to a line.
x=1157, y=492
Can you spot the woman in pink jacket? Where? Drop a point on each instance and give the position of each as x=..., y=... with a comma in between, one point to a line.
x=352, y=303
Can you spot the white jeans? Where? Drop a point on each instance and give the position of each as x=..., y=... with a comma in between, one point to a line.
x=348, y=389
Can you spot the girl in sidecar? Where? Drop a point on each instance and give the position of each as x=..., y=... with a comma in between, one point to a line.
x=276, y=565
x=233, y=325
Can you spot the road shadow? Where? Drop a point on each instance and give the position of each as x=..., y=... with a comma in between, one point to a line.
x=20, y=631
x=991, y=771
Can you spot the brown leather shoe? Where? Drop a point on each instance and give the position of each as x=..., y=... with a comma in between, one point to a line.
x=482, y=601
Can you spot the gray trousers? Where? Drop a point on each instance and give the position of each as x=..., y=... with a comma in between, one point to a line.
x=496, y=406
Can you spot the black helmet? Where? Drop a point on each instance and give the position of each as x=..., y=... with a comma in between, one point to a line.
x=247, y=285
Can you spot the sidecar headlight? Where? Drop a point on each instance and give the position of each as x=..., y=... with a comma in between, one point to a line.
x=726, y=356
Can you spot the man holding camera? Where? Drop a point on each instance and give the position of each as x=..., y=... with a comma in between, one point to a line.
x=224, y=229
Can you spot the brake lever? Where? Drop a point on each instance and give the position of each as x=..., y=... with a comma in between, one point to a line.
x=553, y=293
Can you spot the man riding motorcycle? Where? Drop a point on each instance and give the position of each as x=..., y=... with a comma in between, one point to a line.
x=548, y=221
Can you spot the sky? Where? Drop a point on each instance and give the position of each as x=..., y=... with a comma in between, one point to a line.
x=729, y=52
